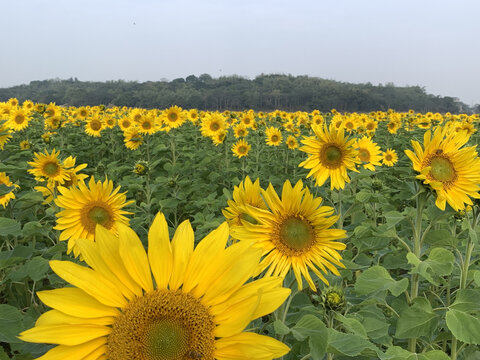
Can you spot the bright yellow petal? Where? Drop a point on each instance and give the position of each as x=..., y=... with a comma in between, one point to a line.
x=55, y=317
x=76, y=352
x=182, y=246
x=66, y=334
x=160, y=251
x=249, y=346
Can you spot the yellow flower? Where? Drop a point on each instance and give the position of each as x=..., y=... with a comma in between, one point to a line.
x=291, y=142
x=5, y=134
x=147, y=125
x=132, y=138
x=368, y=153
x=18, y=120
x=94, y=126
x=85, y=207
x=7, y=196
x=196, y=306
x=173, y=117
x=389, y=157
x=273, y=136
x=246, y=193
x=452, y=171
x=295, y=233
x=212, y=124
x=240, y=130
x=48, y=167
x=331, y=155
x=25, y=145
x=241, y=148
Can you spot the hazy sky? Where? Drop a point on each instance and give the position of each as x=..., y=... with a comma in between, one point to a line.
x=435, y=43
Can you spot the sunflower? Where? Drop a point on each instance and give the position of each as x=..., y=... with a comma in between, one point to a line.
x=291, y=142
x=389, y=157
x=452, y=171
x=240, y=130
x=393, y=126
x=6, y=196
x=331, y=155
x=212, y=124
x=241, y=148
x=132, y=138
x=52, y=110
x=273, y=136
x=85, y=207
x=246, y=193
x=48, y=167
x=94, y=126
x=193, y=116
x=82, y=112
x=368, y=153
x=147, y=125
x=196, y=306
x=294, y=233
x=219, y=138
x=18, y=119
x=25, y=145
x=125, y=123
x=248, y=120
x=173, y=117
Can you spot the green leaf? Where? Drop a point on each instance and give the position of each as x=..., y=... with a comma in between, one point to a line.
x=440, y=237
x=393, y=218
x=397, y=353
x=467, y=300
x=363, y=196
x=9, y=227
x=35, y=228
x=312, y=327
x=280, y=328
x=439, y=263
x=10, y=323
x=476, y=277
x=350, y=344
x=35, y=268
x=417, y=320
x=376, y=279
x=352, y=325
x=463, y=326
x=4, y=189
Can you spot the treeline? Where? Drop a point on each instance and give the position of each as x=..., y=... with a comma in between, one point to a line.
x=264, y=93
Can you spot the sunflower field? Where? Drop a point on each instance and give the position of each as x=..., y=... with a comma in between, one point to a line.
x=169, y=234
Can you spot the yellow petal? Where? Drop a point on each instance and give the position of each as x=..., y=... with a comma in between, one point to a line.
x=108, y=247
x=249, y=346
x=160, y=251
x=93, y=258
x=182, y=246
x=88, y=280
x=77, y=352
x=205, y=253
x=67, y=334
x=134, y=257
x=55, y=317
x=236, y=318
x=75, y=302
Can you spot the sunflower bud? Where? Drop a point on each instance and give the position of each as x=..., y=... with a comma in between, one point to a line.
x=333, y=298
x=141, y=168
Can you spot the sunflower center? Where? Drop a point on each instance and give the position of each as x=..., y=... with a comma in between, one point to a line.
x=370, y=126
x=172, y=116
x=242, y=149
x=388, y=157
x=364, y=155
x=146, y=125
x=19, y=119
x=296, y=233
x=126, y=123
x=442, y=169
x=214, y=126
x=163, y=325
x=97, y=212
x=95, y=125
x=274, y=138
x=50, y=168
x=332, y=156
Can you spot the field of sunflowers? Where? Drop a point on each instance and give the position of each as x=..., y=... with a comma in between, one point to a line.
x=184, y=234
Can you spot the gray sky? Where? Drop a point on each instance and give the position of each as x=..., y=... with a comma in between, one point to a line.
x=408, y=42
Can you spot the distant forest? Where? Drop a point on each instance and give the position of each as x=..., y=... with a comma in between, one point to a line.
x=264, y=93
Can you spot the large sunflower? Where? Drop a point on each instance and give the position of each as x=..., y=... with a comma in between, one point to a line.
x=195, y=307
x=18, y=119
x=273, y=136
x=85, y=207
x=452, y=171
x=295, y=233
x=331, y=155
x=48, y=167
x=212, y=124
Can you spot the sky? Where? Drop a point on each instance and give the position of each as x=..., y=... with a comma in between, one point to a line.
x=433, y=44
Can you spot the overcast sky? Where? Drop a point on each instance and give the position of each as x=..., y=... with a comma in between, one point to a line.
x=431, y=43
